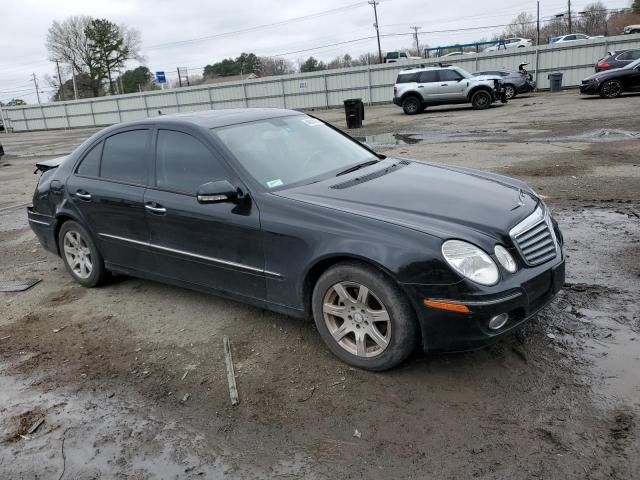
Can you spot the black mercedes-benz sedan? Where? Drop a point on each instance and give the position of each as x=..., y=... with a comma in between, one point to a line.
x=613, y=83
x=281, y=210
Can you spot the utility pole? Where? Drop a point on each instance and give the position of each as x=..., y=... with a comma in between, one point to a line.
x=570, y=29
x=73, y=78
x=375, y=3
x=179, y=77
x=35, y=82
x=415, y=35
x=538, y=26
x=60, y=96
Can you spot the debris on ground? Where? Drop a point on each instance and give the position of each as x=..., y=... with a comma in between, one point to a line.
x=231, y=376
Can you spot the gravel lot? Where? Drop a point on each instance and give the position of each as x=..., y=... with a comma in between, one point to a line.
x=131, y=382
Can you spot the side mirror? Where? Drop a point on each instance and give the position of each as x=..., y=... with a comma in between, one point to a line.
x=216, y=192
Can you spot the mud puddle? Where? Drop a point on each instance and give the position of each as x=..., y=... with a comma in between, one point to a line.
x=495, y=135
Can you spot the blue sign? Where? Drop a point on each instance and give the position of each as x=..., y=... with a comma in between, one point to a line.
x=160, y=77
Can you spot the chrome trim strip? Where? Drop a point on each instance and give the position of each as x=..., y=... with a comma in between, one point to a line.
x=39, y=222
x=189, y=254
x=479, y=303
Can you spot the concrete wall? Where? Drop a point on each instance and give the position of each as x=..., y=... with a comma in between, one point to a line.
x=308, y=90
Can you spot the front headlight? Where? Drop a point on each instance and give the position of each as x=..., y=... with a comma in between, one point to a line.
x=470, y=261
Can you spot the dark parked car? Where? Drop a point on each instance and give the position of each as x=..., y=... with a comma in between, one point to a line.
x=514, y=83
x=613, y=83
x=618, y=59
x=280, y=210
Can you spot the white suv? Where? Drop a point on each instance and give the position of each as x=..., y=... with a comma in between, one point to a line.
x=418, y=88
x=509, y=43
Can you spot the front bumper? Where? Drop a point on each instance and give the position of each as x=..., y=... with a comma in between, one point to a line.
x=452, y=331
x=590, y=88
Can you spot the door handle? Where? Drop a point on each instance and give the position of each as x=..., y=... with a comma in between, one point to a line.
x=82, y=195
x=155, y=208
x=444, y=84
x=420, y=86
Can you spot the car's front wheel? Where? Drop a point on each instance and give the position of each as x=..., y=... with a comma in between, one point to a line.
x=611, y=89
x=80, y=255
x=412, y=105
x=363, y=317
x=510, y=91
x=481, y=100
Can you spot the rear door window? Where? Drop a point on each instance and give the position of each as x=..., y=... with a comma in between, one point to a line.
x=429, y=76
x=183, y=163
x=124, y=157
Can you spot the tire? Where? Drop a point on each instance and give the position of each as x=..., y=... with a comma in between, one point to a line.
x=364, y=317
x=80, y=255
x=611, y=89
x=510, y=91
x=412, y=105
x=481, y=100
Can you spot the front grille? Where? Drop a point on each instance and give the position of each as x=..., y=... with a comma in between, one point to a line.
x=534, y=239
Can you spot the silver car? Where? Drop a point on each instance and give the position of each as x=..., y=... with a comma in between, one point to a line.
x=418, y=88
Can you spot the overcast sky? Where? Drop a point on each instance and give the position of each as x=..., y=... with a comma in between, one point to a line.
x=24, y=25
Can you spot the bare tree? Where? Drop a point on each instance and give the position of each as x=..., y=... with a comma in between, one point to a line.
x=524, y=26
x=67, y=42
x=593, y=19
x=276, y=66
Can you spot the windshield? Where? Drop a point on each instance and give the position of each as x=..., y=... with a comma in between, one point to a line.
x=286, y=150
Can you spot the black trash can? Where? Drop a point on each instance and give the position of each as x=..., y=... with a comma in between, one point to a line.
x=354, y=112
x=555, y=81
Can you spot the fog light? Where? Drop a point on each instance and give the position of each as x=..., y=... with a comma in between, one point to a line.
x=498, y=321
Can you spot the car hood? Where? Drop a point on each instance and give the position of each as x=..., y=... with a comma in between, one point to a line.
x=440, y=200
x=604, y=75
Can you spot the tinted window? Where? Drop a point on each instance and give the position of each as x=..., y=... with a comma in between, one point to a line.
x=630, y=55
x=449, y=76
x=90, y=165
x=123, y=157
x=183, y=163
x=428, y=76
x=407, y=78
x=635, y=54
x=392, y=55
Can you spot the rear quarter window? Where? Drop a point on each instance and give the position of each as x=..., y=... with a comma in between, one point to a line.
x=90, y=164
x=407, y=78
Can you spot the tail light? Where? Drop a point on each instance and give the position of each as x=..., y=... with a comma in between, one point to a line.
x=603, y=66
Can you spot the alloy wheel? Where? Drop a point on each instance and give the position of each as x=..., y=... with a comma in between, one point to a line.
x=612, y=89
x=356, y=319
x=411, y=105
x=509, y=92
x=78, y=254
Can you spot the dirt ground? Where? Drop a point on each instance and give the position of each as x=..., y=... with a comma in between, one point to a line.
x=131, y=383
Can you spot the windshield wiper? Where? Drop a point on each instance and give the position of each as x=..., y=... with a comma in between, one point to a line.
x=357, y=167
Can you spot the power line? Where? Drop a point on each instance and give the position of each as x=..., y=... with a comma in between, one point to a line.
x=257, y=27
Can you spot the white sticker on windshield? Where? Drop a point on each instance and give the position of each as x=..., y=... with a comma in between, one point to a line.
x=274, y=183
x=312, y=122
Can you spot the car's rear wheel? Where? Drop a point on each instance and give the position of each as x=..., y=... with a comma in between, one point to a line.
x=412, y=105
x=481, y=100
x=363, y=317
x=611, y=89
x=80, y=255
x=510, y=91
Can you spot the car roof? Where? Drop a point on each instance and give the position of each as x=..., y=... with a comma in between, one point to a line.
x=425, y=69
x=215, y=118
